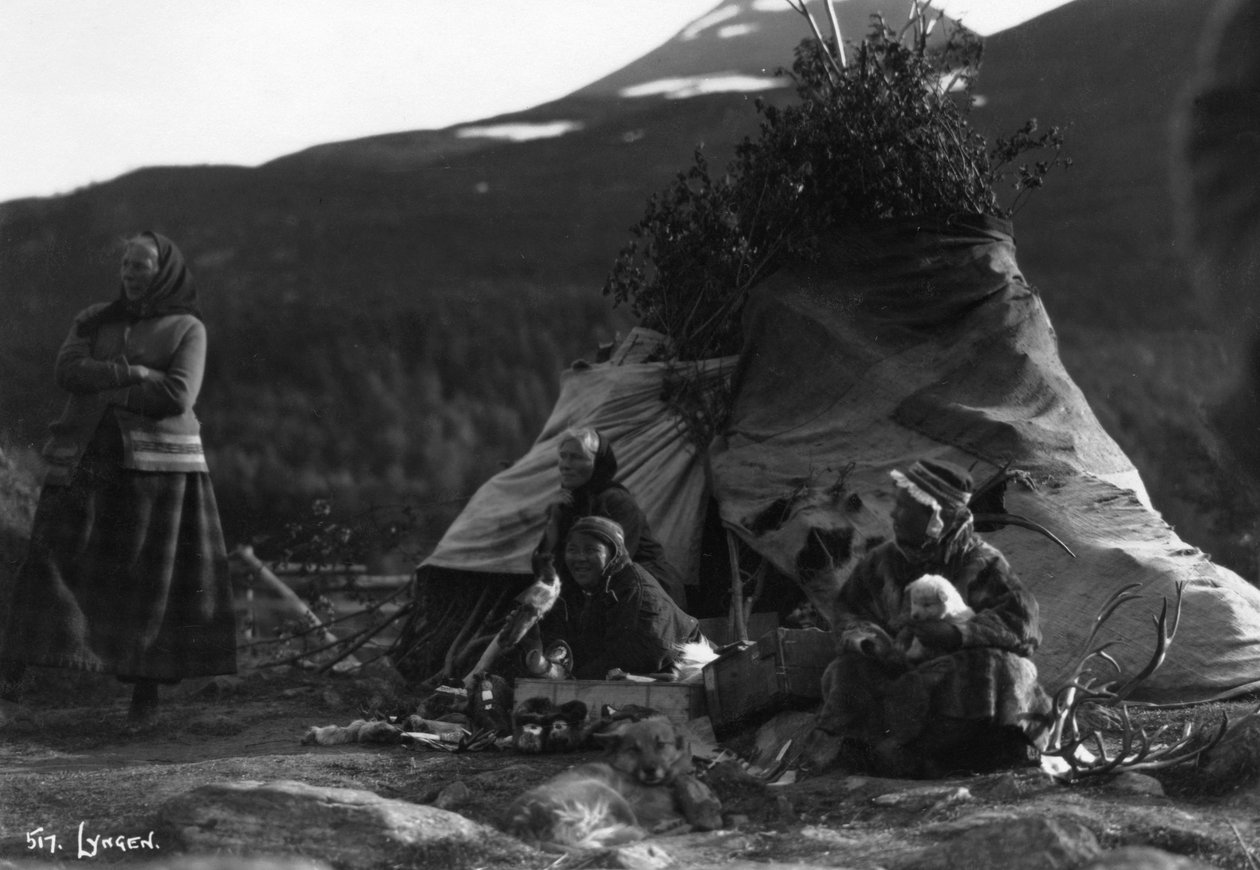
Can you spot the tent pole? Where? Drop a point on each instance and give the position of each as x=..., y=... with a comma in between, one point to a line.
x=737, y=588
x=759, y=586
x=465, y=631
x=290, y=600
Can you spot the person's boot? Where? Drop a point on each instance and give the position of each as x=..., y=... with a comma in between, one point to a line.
x=895, y=760
x=11, y=674
x=11, y=709
x=144, y=702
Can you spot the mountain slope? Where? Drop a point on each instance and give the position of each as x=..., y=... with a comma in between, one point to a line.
x=387, y=314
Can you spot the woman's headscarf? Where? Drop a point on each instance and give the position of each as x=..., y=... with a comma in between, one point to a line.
x=171, y=291
x=605, y=467
x=610, y=533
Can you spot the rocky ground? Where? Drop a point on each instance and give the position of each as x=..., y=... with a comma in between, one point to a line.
x=223, y=780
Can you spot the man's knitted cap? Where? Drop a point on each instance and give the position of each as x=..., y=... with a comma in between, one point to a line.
x=944, y=481
x=942, y=487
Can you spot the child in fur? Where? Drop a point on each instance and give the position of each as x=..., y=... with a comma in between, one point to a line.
x=932, y=597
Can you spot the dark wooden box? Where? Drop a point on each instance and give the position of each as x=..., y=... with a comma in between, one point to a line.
x=681, y=702
x=783, y=668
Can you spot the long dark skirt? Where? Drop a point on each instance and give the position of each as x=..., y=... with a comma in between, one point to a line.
x=126, y=574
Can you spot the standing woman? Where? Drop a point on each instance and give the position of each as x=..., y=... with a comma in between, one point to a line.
x=127, y=571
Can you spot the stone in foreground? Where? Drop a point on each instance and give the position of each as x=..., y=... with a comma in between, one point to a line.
x=349, y=828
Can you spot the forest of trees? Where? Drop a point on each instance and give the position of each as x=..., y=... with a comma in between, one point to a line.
x=416, y=408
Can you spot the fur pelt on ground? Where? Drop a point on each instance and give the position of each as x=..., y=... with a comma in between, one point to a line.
x=358, y=731
x=538, y=725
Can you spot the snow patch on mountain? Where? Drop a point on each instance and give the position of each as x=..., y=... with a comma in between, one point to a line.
x=520, y=132
x=703, y=23
x=683, y=87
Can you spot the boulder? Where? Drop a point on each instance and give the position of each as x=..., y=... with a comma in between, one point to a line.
x=1143, y=858
x=349, y=828
x=1131, y=782
x=1027, y=843
x=235, y=862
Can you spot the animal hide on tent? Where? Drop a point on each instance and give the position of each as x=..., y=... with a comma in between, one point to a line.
x=922, y=339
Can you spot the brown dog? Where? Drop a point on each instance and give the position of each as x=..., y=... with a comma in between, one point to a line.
x=644, y=786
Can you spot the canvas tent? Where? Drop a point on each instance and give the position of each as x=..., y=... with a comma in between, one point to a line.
x=657, y=459
x=483, y=559
x=909, y=340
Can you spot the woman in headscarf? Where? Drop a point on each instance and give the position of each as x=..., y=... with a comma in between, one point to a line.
x=978, y=704
x=127, y=572
x=626, y=622
x=587, y=469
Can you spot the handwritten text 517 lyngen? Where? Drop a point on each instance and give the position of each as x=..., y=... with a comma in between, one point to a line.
x=89, y=846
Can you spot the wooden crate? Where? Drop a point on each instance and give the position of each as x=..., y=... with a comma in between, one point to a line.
x=783, y=668
x=681, y=702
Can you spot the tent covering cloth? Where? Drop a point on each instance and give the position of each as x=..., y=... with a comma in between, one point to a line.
x=922, y=339
x=658, y=461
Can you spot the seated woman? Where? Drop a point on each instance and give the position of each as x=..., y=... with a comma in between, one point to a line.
x=587, y=467
x=626, y=622
x=977, y=705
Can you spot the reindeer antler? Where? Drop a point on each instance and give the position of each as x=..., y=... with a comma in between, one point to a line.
x=989, y=508
x=1138, y=749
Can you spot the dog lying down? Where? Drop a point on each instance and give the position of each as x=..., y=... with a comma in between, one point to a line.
x=643, y=786
x=934, y=597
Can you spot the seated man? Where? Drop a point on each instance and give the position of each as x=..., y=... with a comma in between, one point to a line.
x=626, y=620
x=976, y=706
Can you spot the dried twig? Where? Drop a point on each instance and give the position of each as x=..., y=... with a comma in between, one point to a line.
x=307, y=655
x=835, y=31
x=1251, y=860
x=328, y=623
x=474, y=617
x=365, y=637
x=832, y=65
x=289, y=598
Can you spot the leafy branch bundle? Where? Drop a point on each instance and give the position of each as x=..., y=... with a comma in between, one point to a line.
x=878, y=133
